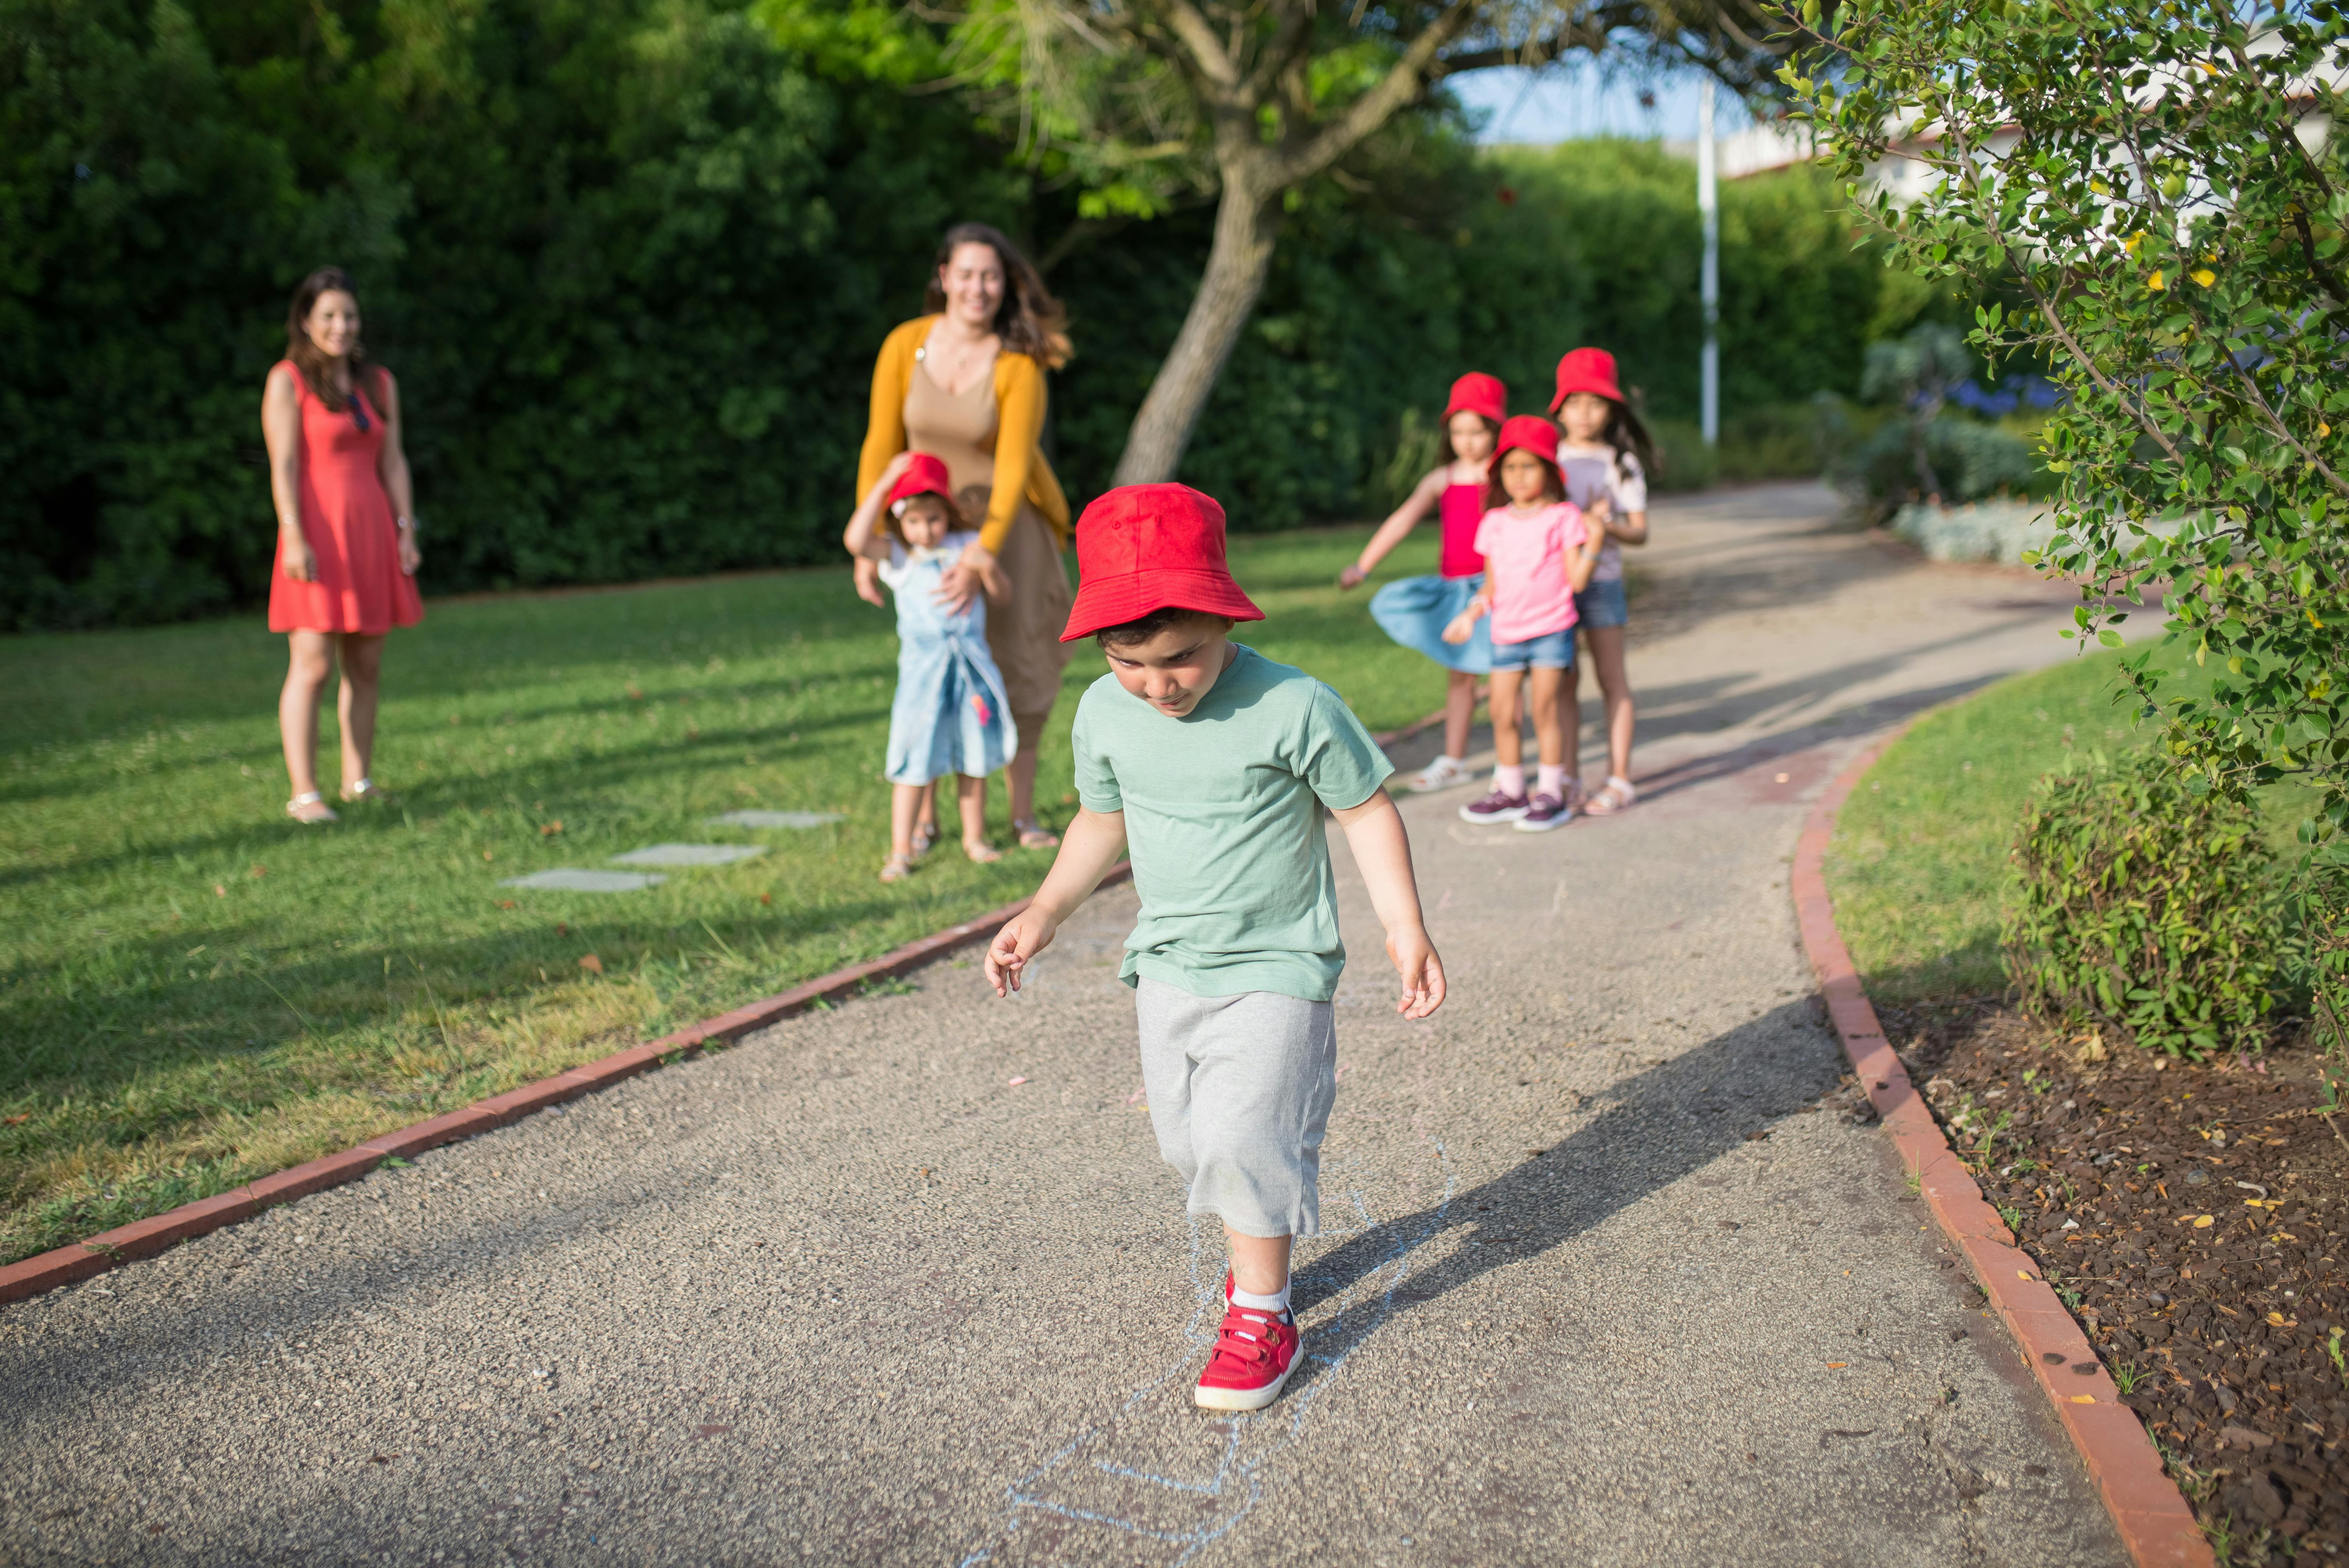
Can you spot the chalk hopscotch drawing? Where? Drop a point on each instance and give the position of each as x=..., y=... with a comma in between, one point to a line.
x=1162, y=1472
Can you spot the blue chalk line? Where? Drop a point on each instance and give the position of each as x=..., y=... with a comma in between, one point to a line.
x=1343, y=1339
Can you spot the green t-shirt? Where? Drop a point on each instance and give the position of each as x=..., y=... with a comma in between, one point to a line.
x=1223, y=817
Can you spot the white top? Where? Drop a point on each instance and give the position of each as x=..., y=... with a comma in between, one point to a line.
x=1589, y=475
x=893, y=571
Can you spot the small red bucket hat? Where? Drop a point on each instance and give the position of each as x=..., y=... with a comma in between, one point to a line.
x=1529, y=432
x=1152, y=547
x=926, y=475
x=1478, y=393
x=1586, y=370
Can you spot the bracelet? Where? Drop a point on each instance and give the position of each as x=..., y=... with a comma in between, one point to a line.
x=407, y=523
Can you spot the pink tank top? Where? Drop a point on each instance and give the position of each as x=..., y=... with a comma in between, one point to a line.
x=1463, y=508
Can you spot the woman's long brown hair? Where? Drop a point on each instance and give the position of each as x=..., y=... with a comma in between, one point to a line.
x=317, y=368
x=1029, y=320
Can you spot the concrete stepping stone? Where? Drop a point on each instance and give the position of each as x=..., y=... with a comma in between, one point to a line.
x=572, y=879
x=688, y=854
x=775, y=820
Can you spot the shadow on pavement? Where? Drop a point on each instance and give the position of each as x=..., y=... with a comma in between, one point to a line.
x=1651, y=1130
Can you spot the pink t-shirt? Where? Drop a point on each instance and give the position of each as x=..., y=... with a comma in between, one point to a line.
x=1526, y=554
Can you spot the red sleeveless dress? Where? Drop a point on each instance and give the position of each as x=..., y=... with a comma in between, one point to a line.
x=356, y=584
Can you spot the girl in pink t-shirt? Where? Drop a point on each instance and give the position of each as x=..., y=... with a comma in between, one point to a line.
x=1415, y=611
x=1538, y=555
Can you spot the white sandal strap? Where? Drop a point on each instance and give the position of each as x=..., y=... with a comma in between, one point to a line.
x=307, y=798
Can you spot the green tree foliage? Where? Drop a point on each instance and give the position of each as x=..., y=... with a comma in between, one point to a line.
x=631, y=260
x=2163, y=181
x=1444, y=260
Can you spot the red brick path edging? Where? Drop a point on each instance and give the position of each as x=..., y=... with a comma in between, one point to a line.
x=2154, y=1524
x=144, y=1238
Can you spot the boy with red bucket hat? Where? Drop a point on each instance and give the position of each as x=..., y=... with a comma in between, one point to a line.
x=1212, y=765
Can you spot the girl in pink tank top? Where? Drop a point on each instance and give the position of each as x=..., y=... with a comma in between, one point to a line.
x=1415, y=611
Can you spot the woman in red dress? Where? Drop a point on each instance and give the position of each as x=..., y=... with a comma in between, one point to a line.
x=346, y=557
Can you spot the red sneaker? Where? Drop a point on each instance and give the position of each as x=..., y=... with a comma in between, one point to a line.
x=1254, y=1354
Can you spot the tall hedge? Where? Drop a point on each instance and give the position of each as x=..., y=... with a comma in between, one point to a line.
x=631, y=258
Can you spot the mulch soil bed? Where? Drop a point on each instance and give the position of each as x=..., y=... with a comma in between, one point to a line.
x=2193, y=1220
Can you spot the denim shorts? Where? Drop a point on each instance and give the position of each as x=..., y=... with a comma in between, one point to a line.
x=1550, y=651
x=1603, y=604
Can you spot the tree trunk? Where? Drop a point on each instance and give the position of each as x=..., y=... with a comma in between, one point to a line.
x=1237, y=264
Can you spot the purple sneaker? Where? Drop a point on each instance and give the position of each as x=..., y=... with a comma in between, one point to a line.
x=1494, y=808
x=1547, y=811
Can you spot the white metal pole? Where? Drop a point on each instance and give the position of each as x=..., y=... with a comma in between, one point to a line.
x=1709, y=277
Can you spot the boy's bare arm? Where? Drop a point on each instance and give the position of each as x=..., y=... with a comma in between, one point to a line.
x=1374, y=831
x=1090, y=846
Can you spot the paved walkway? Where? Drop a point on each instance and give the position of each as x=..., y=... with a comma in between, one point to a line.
x=1611, y=1275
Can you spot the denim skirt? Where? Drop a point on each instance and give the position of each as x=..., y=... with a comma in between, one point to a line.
x=1415, y=611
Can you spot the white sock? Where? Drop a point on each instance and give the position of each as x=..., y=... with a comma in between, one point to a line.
x=1508, y=780
x=1262, y=1302
x=1550, y=781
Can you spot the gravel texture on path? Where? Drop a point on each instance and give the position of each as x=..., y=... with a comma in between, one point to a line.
x=1613, y=1273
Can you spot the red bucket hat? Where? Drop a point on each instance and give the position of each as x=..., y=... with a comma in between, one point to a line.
x=1529, y=432
x=926, y=475
x=1152, y=547
x=1478, y=393
x=1586, y=370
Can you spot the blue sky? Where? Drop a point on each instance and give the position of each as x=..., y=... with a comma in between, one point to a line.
x=1577, y=98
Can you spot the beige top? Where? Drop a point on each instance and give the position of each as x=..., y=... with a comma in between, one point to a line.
x=960, y=430
x=1024, y=633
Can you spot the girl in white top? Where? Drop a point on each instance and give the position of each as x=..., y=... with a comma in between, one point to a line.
x=1604, y=458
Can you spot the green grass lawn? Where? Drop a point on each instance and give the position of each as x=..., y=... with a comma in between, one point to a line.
x=1920, y=855
x=195, y=992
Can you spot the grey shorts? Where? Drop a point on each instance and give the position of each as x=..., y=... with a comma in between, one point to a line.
x=1240, y=1089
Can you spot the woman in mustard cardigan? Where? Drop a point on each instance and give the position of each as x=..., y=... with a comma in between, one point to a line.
x=966, y=384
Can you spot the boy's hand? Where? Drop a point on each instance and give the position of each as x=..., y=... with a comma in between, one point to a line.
x=1022, y=937
x=1422, y=971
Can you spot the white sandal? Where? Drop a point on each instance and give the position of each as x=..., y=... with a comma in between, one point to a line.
x=364, y=789
x=299, y=807
x=1616, y=796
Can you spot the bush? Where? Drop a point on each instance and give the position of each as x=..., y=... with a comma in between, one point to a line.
x=1774, y=442
x=2143, y=908
x=1879, y=473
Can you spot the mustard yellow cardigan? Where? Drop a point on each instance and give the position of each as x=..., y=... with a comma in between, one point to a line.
x=1019, y=467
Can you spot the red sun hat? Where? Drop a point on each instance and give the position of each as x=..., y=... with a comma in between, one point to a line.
x=1529, y=432
x=1152, y=547
x=1478, y=393
x=1586, y=370
x=926, y=475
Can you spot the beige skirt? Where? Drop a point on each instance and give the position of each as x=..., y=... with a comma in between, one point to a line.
x=1024, y=634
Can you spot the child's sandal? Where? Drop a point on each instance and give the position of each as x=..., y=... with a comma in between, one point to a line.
x=924, y=835
x=309, y=807
x=897, y=868
x=1034, y=835
x=1616, y=796
x=981, y=852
